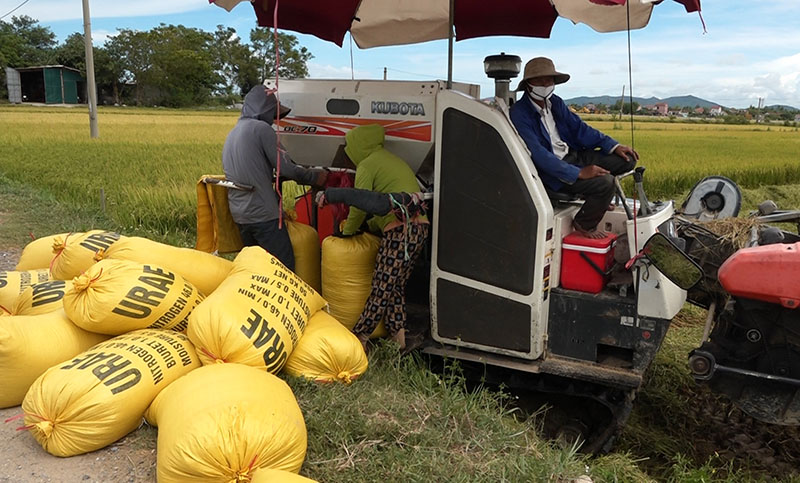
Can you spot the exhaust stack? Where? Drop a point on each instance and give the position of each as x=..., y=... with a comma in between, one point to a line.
x=502, y=68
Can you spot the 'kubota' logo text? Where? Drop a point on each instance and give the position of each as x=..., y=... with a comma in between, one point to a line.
x=386, y=107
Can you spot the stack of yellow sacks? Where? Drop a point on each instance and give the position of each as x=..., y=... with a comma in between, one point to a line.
x=81, y=389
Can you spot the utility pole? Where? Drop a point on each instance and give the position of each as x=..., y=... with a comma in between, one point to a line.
x=450, y=40
x=91, y=87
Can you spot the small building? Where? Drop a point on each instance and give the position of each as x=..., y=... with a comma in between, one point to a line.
x=48, y=84
x=715, y=111
x=699, y=110
x=662, y=108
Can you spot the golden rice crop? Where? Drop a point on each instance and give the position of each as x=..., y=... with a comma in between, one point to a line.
x=147, y=161
x=677, y=155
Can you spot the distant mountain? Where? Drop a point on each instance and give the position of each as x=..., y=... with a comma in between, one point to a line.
x=675, y=101
x=781, y=106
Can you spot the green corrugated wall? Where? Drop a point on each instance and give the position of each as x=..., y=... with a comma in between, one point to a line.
x=71, y=79
x=52, y=86
x=55, y=91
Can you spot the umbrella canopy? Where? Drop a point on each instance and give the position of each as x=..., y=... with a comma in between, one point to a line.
x=374, y=23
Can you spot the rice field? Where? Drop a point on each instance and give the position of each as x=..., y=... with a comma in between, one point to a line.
x=677, y=155
x=144, y=167
x=146, y=162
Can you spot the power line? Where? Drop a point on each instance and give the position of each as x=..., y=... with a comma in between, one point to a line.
x=15, y=9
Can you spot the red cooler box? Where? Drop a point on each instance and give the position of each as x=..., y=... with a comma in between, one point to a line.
x=582, y=260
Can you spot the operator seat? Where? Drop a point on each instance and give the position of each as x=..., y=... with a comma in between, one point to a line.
x=559, y=197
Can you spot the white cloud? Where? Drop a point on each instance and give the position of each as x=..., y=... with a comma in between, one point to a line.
x=99, y=37
x=327, y=71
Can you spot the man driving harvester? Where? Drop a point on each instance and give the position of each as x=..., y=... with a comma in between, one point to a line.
x=570, y=156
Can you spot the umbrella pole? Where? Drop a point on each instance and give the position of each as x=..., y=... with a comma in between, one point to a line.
x=450, y=39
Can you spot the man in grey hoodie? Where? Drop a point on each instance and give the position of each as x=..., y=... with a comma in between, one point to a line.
x=249, y=157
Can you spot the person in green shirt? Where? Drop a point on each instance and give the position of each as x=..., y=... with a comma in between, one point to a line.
x=403, y=236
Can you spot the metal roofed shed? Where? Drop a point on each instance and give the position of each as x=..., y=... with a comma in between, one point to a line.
x=48, y=84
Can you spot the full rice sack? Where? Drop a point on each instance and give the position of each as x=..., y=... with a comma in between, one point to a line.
x=32, y=344
x=13, y=283
x=42, y=298
x=256, y=316
x=222, y=422
x=203, y=270
x=75, y=253
x=39, y=252
x=99, y=396
x=347, y=268
x=305, y=244
x=327, y=352
x=117, y=296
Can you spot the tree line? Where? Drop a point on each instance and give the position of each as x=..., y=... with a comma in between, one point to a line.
x=169, y=65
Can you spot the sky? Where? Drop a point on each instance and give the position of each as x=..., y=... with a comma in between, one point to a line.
x=750, y=48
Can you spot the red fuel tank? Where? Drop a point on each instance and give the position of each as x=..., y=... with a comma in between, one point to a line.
x=770, y=273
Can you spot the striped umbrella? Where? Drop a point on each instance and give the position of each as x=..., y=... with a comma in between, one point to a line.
x=374, y=23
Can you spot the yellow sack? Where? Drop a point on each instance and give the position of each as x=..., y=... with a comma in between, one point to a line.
x=347, y=267
x=42, y=298
x=39, y=252
x=305, y=243
x=216, y=230
x=257, y=314
x=327, y=352
x=203, y=270
x=89, y=402
x=73, y=254
x=263, y=475
x=290, y=191
x=13, y=283
x=117, y=296
x=221, y=422
x=32, y=344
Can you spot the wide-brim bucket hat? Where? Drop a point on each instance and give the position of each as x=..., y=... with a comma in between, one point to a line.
x=541, y=67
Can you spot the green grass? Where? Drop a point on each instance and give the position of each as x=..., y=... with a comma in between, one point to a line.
x=44, y=215
x=402, y=422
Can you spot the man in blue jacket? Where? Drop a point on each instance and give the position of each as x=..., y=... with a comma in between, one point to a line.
x=570, y=156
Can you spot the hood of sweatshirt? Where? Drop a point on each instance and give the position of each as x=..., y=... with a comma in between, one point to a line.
x=363, y=141
x=262, y=106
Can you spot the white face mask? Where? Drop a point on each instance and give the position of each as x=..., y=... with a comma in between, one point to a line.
x=540, y=93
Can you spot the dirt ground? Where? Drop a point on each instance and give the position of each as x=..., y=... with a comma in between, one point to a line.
x=132, y=459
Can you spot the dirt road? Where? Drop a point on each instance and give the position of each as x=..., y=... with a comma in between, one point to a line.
x=132, y=459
